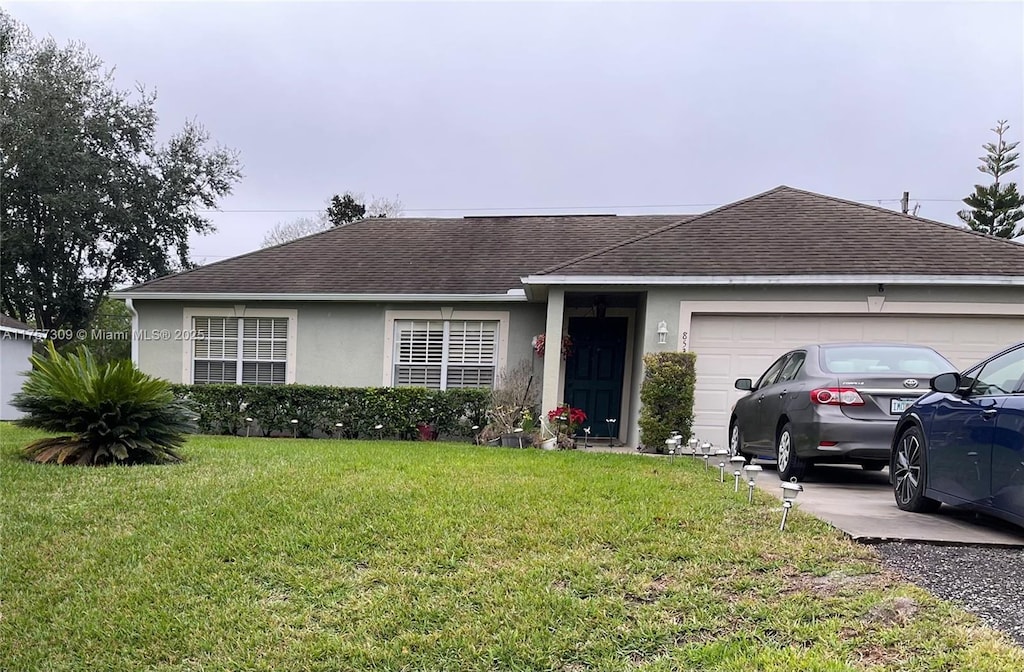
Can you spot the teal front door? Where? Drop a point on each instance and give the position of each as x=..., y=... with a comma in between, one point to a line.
x=593, y=374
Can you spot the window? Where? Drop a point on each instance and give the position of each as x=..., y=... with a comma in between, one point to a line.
x=259, y=357
x=445, y=354
x=1001, y=375
x=793, y=366
x=772, y=373
x=895, y=359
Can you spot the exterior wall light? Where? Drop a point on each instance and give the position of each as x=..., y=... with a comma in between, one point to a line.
x=662, y=332
x=752, y=471
x=789, y=492
x=737, y=462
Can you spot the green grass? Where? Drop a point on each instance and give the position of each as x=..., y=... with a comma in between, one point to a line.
x=277, y=554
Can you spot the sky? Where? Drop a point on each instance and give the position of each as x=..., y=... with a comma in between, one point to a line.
x=464, y=108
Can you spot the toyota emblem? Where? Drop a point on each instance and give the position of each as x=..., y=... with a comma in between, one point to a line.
x=910, y=382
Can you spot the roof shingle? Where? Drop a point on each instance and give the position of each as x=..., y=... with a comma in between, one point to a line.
x=787, y=231
x=476, y=255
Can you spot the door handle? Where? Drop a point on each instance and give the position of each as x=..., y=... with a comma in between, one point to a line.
x=972, y=454
x=989, y=413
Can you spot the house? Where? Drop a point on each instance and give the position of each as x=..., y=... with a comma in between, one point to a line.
x=15, y=349
x=452, y=302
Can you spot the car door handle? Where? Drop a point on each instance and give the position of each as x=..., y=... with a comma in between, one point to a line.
x=989, y=413
x=972, y=454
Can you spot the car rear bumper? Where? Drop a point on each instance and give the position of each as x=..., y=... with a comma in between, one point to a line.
x=847, y=439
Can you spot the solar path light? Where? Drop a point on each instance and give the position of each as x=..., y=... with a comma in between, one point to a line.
x=752, y=471
x=789, y=492
x=737, y=462
x=721, y=454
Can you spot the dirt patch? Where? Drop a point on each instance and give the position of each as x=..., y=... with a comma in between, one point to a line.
x=836, y=583
x=893, y=611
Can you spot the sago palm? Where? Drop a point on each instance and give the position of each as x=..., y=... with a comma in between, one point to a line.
x=109, y=414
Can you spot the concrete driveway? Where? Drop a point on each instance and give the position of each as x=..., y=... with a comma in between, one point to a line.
x=861, y=504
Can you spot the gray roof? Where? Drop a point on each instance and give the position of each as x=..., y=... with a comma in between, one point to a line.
x=11, y=323
x=784, y=231
x=787, y=231
x=472, y=255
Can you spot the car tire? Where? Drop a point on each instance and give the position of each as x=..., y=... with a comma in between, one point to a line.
x=909, y=473
x=736, y=440
x=790, y=465
x=874, y=465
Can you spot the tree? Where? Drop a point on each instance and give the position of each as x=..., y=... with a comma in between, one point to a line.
x=341, y=210
x=108, y=336
x=997, y=208
x=282, y=232
x=89, y=199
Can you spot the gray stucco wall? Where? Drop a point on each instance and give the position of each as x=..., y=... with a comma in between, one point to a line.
x=14, y=353
x=337, y=344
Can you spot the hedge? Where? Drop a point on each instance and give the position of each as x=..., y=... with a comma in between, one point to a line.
x=223, y=409
x=666, y=397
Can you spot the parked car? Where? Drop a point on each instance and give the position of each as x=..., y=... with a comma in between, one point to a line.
x=963, y=443
x=835, y=402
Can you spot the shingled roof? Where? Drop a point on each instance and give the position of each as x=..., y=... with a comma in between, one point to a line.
x=11, y=323
x=473, y=255
x=787, y=231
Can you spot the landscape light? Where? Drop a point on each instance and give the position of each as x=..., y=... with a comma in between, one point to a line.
x=789, y=492
x=248, y=426
x=752, y=471
x=737, y=462
x=721, y=453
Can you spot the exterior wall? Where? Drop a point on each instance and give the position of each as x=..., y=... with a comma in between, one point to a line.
x=668, y=303
x=337, y=343
x=14, y=353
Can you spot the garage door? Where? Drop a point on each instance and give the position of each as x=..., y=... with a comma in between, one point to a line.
x=743, y=346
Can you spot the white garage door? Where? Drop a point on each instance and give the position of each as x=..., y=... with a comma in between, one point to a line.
x=743, y=346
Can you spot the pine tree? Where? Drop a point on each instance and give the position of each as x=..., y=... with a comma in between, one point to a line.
x=997, y=208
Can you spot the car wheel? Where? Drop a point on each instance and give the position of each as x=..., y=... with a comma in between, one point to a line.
x=736, y=440
x=908, y=473
x=874, y=465
x=790, y=465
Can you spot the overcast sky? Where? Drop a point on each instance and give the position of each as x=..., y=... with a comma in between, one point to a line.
x=463, y=108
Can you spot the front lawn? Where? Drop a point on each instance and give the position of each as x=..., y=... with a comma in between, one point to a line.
x=279, y=554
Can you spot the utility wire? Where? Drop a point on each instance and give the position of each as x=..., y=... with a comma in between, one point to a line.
x=563, y=207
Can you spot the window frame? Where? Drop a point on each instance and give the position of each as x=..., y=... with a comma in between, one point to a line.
x=236, y=312
x=781, y=363
x=973, y=375
x=446, y=316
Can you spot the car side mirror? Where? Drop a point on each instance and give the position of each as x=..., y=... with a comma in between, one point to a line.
x=745, y=384
x=948, y=383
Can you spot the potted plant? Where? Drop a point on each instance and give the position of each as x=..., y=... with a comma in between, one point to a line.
x=563, y=423
x=511, y=405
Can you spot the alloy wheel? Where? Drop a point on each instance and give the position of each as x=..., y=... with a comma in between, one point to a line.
x=734, y=440
x=785, y=446
x=907, y=474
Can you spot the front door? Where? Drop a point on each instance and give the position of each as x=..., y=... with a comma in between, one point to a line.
x=594, y=370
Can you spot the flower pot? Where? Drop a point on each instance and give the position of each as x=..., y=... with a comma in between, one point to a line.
x=516, y=440
x=549, y=444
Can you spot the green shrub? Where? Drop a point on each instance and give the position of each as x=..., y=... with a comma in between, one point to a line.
x=223, y=409
x=114, y=413
x=666, y=397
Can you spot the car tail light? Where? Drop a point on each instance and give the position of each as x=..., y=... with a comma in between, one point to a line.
x=836, y=396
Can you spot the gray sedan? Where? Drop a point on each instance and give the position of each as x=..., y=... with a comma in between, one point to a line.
x=835, y=403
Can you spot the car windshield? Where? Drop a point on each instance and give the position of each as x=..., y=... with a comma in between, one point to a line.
x=883, y=359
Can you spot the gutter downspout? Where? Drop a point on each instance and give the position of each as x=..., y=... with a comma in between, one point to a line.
x=135, y=331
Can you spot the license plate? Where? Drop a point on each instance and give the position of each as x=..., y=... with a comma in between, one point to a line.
x=897, y=406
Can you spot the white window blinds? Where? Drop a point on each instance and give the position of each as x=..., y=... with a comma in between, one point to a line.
x=259, y=357
x=445, y=354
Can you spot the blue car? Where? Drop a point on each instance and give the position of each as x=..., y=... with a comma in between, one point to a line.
x=963, y=443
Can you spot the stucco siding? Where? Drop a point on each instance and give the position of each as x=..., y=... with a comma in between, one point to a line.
x=14, y=353
x=337, y=343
